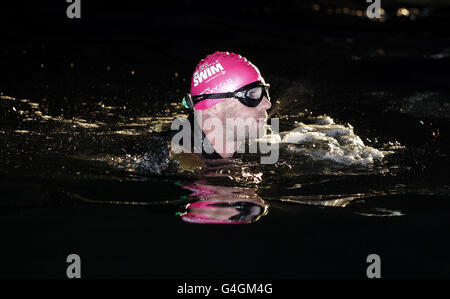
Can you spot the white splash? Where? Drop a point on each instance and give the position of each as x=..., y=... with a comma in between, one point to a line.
x=325, y=140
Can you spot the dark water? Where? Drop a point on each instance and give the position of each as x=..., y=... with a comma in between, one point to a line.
x=366, y=173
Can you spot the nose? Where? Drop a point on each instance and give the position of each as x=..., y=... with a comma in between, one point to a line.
x=265, y=104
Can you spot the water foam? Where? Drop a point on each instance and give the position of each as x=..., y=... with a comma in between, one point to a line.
x=325, y=140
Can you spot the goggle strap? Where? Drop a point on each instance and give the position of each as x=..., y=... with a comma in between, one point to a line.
x=188, y=102
x=202, y=97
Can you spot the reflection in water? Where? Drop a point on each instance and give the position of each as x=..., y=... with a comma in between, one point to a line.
x=342, y=200
x=206, y=204
x=223, y=205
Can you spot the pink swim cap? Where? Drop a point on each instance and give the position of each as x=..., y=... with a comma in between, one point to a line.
x=222, y=72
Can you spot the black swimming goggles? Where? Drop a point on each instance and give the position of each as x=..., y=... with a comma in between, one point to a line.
x=245, y=208
x=250, y=95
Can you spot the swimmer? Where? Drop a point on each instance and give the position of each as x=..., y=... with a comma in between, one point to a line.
x=225, y=88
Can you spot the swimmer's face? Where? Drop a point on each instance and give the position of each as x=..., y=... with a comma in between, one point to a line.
x=256, y=116
x=240, y=121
